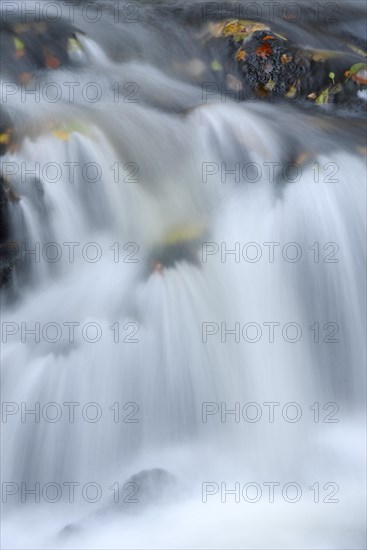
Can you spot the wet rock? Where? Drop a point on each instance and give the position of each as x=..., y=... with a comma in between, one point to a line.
x=4, y=213
x=8, y=248
x=181, y=244
x=272, y=66
x=29, y=46
x=70, y=530
x=152, y=485
x=5, y=274
x=6, y=132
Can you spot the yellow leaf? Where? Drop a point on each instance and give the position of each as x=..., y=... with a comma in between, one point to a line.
x=19, y=45
x=61, y=134
x=241, y=55
x=323, y=97
x=5, y=138
x=216, y=65
x=270, y=85
x=241, y=29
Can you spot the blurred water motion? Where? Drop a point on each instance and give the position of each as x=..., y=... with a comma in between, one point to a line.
x=175, y=223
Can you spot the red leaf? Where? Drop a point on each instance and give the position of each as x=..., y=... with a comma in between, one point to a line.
x=360, y=77
x=51, y=62
x=264, y=51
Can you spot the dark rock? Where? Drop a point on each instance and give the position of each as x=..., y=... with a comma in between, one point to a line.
x=29, y=46
x=8, y=248
x=70, y=530
x=272, y=67
x=144, y=489
x=6, y=132
x=152, y=486
x=4, y=213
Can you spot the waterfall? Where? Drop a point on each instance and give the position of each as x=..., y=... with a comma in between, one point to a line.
x=246, y=367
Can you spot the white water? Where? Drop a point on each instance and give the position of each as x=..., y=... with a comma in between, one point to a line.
x=170, y=372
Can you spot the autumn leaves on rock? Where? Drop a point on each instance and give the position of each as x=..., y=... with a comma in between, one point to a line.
x=26, y=49
x=273, y=66
x=29, y=47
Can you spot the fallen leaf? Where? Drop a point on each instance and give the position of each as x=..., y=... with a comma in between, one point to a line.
x=261, y=92
x=325, y=94
x=216, y=65
x=5, y=138
x=360, y=77
x=241, y=55
x=264, y=51
x=74, y=46
x=285, y=58
x=323, y=97
x=240, y=29
x=354, y=72
x=292, y=91
x=51, y=62
x=61, y=135
x=270, y=85
x=268, y=37
x=358, y=67
x=19, y=45
x=312, y=95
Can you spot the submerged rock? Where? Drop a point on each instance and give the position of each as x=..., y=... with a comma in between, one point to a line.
x=152, y=485
x=144, y=489
x=70, y=530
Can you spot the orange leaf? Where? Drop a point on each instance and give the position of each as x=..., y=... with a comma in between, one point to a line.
x=240, y=55
x=51, y=62
x=360, y=79
x=268, y=37
x=261, y=91
x=25, y=77
x=264, y=50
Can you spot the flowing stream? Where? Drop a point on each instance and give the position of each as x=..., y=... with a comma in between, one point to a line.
x=131, y=370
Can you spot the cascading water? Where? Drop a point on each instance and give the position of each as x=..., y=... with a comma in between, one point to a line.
x=133, y=370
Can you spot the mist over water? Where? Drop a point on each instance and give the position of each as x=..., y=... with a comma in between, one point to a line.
x=178, y=386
